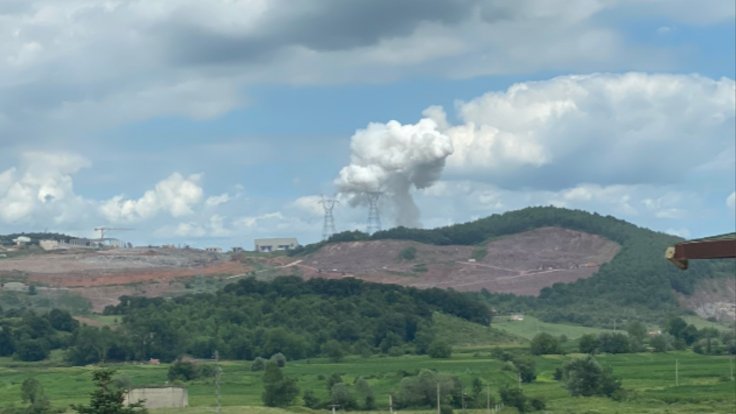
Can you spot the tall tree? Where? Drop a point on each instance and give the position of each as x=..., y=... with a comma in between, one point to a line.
x=106, y=398
x=278, y=389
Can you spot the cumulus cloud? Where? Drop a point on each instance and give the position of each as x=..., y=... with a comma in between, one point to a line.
x=176, y=195
x=731, y=200
x=43, y=185
x=391, y=159
x=599, y=128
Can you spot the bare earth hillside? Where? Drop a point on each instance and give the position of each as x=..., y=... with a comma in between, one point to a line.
x=523, y=263
x=713, y=298
x=102, y=276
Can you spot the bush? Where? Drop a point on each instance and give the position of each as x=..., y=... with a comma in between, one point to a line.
x=586, y=377
x=409, y=253
x=279, y=359
x=545, y=343
x=311, y=400
x=514, y=397
x=259, y=364
x=588, y=344
x=614, y=343
x=31, y=350
x=182, y=370
x=439, y=349
x=340, y=394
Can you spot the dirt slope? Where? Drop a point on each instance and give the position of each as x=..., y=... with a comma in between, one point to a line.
x=103, y=276
x=713, y=298
x=523, y=263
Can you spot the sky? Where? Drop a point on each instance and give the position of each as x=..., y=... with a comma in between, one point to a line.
x=215, y=123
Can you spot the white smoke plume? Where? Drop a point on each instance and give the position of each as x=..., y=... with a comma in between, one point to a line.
x=393, y=159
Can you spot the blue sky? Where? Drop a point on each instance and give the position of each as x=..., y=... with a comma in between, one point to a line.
x=216, y=123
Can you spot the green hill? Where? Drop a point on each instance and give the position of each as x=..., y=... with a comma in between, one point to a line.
x=637, y=284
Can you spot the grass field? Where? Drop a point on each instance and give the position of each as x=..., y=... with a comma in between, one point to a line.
x=531, y=326
x=701, y=323
x=704, y=383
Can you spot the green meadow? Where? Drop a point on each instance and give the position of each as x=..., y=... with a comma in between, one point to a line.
x=704, y=385
x=531, y=326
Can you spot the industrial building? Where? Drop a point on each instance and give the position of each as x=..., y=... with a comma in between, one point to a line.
x=277, y=244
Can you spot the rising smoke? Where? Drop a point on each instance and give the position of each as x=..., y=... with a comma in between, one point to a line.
x=392, y=159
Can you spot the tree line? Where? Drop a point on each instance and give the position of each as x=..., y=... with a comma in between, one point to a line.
x=249, y=319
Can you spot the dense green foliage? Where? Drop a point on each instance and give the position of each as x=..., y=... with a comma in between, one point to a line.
x=586, y=377
x=30, y=337
x=107, y=398
x=638, y=281
x=288, y=315
x=278, y=389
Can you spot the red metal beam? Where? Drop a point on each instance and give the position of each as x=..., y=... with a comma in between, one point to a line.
x=680, y=253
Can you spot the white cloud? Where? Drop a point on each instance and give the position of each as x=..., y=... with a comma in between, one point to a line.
x=77, y=64
x=217, y=200
x=312, y=205
x=599, y=128
x=176, y=195
x=252, y=222
x=214, y=227
x=42, y=186
x=731, y=200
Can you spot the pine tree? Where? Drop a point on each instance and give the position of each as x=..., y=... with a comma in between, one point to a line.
x=106, y=398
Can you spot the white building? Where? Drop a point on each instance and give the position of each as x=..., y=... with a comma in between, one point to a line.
x=276, y=244
x=21, y=240
x=164, y=397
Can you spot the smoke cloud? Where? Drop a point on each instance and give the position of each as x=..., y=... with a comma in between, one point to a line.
x=393, y=159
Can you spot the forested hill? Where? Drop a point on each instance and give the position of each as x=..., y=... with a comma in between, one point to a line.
x=637, y=283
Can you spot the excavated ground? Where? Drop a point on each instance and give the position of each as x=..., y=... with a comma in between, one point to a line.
x=523, y=263
x=101, y=276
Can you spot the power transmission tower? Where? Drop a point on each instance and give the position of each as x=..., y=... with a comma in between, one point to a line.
x=374, y=218
x=328, y=229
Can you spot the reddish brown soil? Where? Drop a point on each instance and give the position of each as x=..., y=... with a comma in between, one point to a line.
x=103, y=276
x=120, y=267
x=523, y=263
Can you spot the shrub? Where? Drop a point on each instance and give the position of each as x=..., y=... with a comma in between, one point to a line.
x=586, y=377
x=409, y=253
x=31, y=350
x=279, y=359
x=439, y=349
x=259, y=364
x=182, y=370
x=545, y=343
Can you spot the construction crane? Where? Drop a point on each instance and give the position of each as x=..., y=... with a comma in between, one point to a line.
x=103, y=229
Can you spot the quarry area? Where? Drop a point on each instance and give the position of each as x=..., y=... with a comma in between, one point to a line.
x=523, y=264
